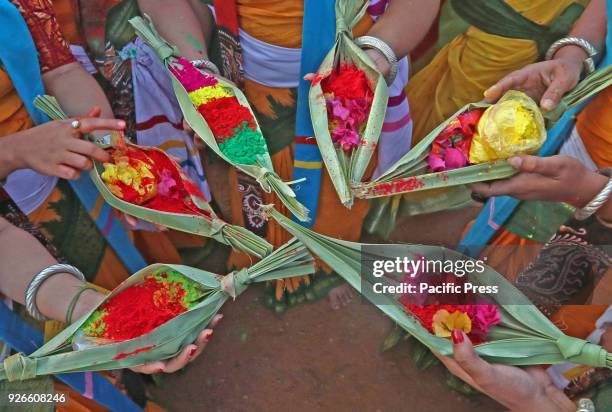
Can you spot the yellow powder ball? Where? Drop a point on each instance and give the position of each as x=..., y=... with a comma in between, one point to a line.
x=512, y=126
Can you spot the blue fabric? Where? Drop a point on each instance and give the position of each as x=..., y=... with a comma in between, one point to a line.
x=20, y=61
x=24, y=338
x=482, y=231
x=318, y=37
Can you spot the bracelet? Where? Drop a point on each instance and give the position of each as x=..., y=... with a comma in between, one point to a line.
x=589, y=63
x=598, y=201
x=73, y=302
x=585, y=405
x=206, y=64
x=370, y=42
x=37, y=281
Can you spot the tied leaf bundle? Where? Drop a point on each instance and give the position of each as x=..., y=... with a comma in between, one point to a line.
x=144, y=182
x=221, y=116
x=523, y=335
x=473, y=144
x=179, y=307
x=348, y=100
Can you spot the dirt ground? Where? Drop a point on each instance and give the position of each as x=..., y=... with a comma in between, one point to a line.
x=316, y=359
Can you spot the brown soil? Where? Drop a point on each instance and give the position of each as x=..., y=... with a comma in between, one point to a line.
x=316, y=359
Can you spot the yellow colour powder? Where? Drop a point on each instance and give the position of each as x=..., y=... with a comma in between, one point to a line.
x=208, y=93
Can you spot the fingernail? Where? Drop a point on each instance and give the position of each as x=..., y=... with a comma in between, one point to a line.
x=192, y=352
x=159, y=370
x=547, y=104
x=209, y=335
x=121, y=123
x=457, y=336
x=515, y=162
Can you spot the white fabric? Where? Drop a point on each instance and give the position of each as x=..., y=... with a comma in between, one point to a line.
x=575, y=148
x=268, y=64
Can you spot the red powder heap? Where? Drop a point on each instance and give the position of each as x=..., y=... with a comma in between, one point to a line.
x=141, y=308
x=348, y=82
x=224, y=115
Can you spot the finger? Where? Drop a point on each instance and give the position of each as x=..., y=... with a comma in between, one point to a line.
x=89, y=149
x=131, y=220
x=187, y=128
x=454, y=368
x=150, y=367
x=468, y=360
x=90, y=124
x=94, y=112
x=546, y=166
x=511, y=81
x=180, y=361
x=77, y=161
x=66, y=172
x=555, y=91
x=309, y=77
x=201, y=343
x=215, y=320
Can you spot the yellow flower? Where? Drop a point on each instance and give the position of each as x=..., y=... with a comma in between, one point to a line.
x=444, y=323
x=514, y=125
x=205, y=94
x=133, y=173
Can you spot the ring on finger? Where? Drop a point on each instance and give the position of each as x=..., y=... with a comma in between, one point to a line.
x=75, y=124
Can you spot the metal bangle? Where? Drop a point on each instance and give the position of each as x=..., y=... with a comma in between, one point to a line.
x=37, y=281
x=206, y=64
x=585, y=405
x=589, y=63
x=598, y=201
x=370, y=42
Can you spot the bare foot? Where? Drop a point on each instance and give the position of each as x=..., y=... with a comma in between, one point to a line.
x=341, y=296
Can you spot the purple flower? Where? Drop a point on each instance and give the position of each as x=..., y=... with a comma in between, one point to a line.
x=454, y=159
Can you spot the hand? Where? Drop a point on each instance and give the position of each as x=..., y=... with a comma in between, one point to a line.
x=546, y=82
x=187, y=355
x=382, y=64
x=56, y=149
x=606, y=339
x=519, y=389
x=555, y=178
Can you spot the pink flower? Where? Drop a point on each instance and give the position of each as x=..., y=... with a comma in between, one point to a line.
x=484, y=317
x=346, y=138
x=454, y=159
x=166, y=183
x=436, y=164
x=337, y=108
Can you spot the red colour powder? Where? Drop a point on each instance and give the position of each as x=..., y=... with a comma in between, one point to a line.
x=141, y=308
x=348, y=82
x=224, y=115
x=125, y=355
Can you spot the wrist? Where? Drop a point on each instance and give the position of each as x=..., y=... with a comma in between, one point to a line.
x=593, y=183
x=88, y=300
x=9, y=160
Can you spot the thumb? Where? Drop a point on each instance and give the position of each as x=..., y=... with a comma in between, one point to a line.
x=546, y=166
x=467, y=358
x=95, y=111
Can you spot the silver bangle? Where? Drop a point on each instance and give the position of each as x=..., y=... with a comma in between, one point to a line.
x=598, y=201
x=585, y=405
x=370, y=42
x=589, y=63
x=206, y=64
x=37, y=281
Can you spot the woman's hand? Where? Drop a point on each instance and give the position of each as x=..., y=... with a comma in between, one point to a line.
x=519, y=389
x=545, y=82
x=187, y=355
x=555, y=178
x=57, y=149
